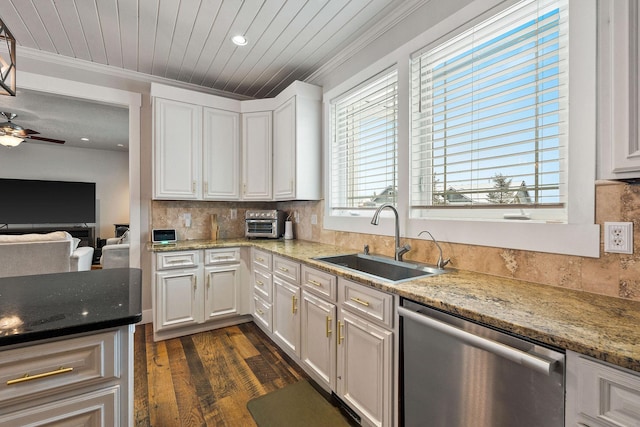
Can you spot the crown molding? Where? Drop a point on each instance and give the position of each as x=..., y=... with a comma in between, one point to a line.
x=388, y=22
x=92, y=67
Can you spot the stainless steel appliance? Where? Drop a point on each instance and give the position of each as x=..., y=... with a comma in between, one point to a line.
x=266, y=224
x=456, y=373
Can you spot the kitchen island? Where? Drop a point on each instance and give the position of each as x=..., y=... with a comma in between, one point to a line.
x=66, y=347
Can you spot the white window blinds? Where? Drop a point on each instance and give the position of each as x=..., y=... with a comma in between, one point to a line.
x=489, y=112
x=364, y=157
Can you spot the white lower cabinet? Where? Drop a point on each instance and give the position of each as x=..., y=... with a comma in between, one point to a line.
x=81, y=380
x=190, y=293
x=286, y=315
x=318, y=339
x=177, y=296
x=600, y=394
x=365, y=354
x=340, y=332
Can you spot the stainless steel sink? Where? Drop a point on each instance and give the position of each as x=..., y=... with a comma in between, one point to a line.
x=381, y=267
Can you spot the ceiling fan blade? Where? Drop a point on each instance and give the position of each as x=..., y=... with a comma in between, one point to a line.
x=40, y=138
x=31, y=132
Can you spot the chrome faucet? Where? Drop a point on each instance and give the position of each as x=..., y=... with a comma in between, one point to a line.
x=441, y=262
x=399, y=250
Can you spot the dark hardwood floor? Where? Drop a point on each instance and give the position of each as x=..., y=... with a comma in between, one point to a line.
x=206, y=379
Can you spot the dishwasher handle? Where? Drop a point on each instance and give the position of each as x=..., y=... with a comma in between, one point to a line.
x=518, y=356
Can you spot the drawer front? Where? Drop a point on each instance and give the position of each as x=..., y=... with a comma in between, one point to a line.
x=99, y=408
x=367, y=302
x=47, y=368
x=319, y=283
x=288, y=270
x=262, y=284
x=262, y=312
x=221, y=256
x=171, y=260
x=261, y=259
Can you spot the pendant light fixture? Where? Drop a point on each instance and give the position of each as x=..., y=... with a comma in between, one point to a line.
x=7, y=62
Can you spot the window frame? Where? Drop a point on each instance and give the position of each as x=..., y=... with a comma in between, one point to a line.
x=580, y=235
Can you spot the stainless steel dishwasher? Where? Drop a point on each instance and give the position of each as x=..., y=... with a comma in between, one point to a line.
x=456, y=373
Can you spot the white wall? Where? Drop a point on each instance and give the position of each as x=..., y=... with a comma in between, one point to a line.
x=108, y=169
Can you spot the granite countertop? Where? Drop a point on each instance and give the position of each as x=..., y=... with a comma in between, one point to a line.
x=45, y=306
x=602, y=327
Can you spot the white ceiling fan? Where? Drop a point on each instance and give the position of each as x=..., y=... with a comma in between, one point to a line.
x=12, y=134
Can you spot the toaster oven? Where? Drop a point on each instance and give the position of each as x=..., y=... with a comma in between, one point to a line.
x=265, y=224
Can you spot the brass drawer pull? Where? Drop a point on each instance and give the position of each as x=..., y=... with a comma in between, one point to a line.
x=340, y=332
x=359, y=301
x=313, y=282
x=285, y=269
x=28, y=377
x=258, y=282
x=259, y=259
x=260, y=312
x=293, y=304
x=329, y=327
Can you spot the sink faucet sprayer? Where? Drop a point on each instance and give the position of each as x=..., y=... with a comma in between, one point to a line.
x=441, y=262
x=399, y=250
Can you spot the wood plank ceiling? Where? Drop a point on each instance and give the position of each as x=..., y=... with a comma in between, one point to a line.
x=189, y=40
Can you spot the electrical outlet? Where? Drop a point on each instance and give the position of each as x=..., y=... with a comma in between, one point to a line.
x=234, y=213
x=314, y=219
x=296, y=217
x=187, y=219
x=618, y=237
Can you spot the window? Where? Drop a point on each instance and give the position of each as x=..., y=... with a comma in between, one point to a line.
x=489, y=117
x=363, y=158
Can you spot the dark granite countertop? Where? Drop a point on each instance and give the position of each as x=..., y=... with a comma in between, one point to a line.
x=599, y=326
x=46, y=306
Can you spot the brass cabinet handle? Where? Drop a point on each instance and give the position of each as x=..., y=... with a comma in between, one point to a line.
x=193, y=187
x=359, y=301
x=340, y=332
x=260, y=312
x=208, y=281
x=285, y=269
x=258, y=282
x=313, y=282
x=329, y=327
x=260, y=259
x=27, y=377
x=195, y=282
x=293, y=304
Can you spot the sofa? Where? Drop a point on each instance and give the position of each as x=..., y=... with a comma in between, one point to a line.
x=56, y=252
x=115, y=254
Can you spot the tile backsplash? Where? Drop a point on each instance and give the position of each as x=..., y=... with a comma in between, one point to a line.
x=612, y=274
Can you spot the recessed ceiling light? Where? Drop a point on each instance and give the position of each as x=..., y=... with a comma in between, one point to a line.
x=84, y=139
x=239, y=40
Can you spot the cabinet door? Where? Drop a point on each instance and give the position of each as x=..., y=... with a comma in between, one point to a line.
x=221, y=155
x=257, y=156
x=286, y=314
x=284, y=147
x=365, y=367
x=177, y=150
x=318, y=342
x=177, y=298
x=221, y=291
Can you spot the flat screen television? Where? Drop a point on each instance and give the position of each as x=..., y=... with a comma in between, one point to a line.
x=25, y=201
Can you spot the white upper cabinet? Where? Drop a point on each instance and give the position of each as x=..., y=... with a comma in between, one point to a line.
x=619, y=89
x=257, y=156
x=177, y=149
x=211, y=148
x=297, y=145
x=221, y=155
